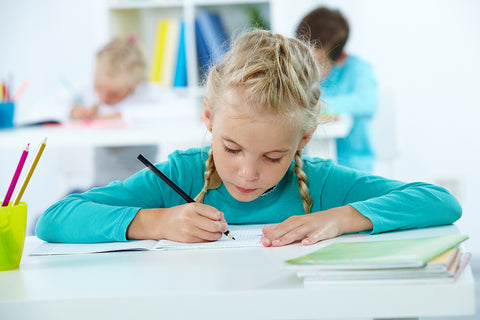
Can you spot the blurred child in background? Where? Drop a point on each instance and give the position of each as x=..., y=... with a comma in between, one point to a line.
x=348, y=83
x=119, y=92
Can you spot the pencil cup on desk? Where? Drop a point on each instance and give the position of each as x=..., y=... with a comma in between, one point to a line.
x=7, y=109
x=13, y=224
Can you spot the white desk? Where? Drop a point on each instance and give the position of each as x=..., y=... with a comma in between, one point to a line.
x=244, y=283
x=164, y=132
x=107, y=133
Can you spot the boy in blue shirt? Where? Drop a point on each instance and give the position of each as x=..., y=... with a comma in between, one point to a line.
x=348, y=83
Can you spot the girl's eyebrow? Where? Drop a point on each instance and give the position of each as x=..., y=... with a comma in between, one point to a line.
x=284, y=150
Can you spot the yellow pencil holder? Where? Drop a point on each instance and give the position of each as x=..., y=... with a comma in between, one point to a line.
x=13, y=225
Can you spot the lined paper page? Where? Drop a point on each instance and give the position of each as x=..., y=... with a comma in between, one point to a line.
x=50, y=248
x=245, y=236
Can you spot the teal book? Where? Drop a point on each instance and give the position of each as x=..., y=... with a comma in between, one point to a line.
x=405, y=253
x=180, y=79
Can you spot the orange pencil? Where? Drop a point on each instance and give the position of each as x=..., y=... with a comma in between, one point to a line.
x=30, y=171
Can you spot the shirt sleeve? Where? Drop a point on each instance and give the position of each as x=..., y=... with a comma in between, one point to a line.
x=358, y=96
x=104, y=214
x=390, y=204
x=99, y=215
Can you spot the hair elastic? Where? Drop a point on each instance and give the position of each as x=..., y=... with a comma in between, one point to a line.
x=132, y=38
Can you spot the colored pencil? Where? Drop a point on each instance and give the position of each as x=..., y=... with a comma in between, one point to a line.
x=6, y=92
x=76, y=97
x=172, y=185
x=16, y=175
x=30, y=171
x=20, y=90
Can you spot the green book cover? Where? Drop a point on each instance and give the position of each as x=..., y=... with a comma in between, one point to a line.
x=379, y=254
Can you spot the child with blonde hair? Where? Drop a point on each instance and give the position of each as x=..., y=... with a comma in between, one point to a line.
x=120, y=68
x=119, y=92
x=262, y=107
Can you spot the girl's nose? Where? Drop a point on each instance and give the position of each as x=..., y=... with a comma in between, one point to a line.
x=249, y=171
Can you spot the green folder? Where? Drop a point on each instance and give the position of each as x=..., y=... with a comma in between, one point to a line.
x=379, y=254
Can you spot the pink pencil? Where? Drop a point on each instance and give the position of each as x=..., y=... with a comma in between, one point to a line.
x=16, y=176
x=21, y=90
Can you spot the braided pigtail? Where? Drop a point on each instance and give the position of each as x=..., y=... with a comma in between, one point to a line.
x=302, y=182
x=212, y=180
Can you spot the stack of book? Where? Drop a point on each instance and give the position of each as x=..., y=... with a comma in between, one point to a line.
x=169, y=63
x=420, y=260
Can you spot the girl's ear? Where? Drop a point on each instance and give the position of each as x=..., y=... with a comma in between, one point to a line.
x=207, y=114
x=305, y=139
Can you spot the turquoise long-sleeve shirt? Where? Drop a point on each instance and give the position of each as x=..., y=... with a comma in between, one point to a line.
x=103, y=214
x=351, y=88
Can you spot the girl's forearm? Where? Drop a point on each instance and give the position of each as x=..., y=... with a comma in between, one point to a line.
x=351, y=220
x=143, y=226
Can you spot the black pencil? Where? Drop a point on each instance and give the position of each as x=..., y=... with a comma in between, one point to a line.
x=172, y=185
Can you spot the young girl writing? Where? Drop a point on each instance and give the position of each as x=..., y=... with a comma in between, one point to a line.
x=262, y=107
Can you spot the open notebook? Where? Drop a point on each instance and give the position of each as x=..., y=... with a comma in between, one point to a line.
x=245, y=235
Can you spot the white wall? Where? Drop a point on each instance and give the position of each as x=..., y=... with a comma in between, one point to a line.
x=43, y=39
x=425, y=53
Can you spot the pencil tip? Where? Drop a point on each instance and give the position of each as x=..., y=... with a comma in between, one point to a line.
x=228, y=234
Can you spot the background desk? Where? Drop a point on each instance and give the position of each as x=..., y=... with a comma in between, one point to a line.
x=243, y=283
x=168, y=131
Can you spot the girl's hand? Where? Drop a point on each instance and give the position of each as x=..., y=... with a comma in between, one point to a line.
x=111, y=116
x=191, y=222
x=79, y=112
x=314, y=227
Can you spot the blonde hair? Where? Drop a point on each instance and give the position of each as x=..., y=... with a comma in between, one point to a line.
x=278, y=75
x=123, y=56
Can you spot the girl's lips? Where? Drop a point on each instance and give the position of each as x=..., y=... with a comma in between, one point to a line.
x=243, y=190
